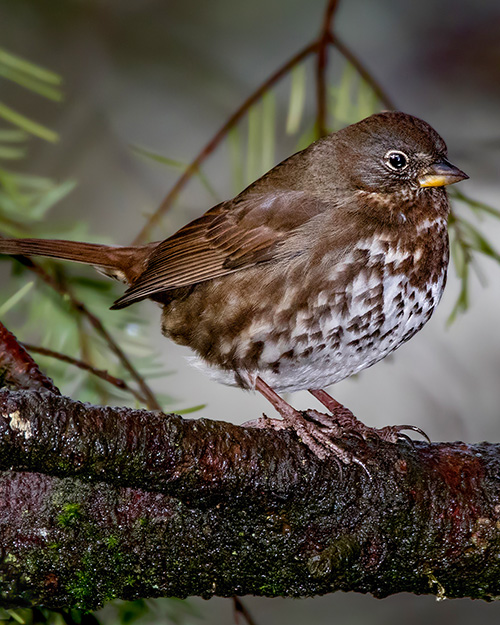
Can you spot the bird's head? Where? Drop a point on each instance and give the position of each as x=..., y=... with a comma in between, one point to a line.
x=391, y=152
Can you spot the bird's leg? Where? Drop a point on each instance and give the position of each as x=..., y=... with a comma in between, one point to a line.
x=343, y=416
x=316, y=437
x=350, y=424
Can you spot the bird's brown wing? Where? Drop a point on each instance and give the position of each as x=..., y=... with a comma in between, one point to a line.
x=230, y=237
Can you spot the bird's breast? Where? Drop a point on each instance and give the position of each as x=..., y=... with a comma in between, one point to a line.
x=315, y=320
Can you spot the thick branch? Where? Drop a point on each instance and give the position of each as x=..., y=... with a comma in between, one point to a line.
x=17, y=368
x=150, y=505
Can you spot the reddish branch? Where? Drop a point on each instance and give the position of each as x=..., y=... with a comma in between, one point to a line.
x=365, y=74
x=321, y=66
x=319, y=47
x=100, y=373
x=100, y=502
x=147, y=395
x=194, y=166
x=17, y=367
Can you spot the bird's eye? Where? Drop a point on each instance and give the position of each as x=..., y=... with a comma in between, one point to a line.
x=396, y=160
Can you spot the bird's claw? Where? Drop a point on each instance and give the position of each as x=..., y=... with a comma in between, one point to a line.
x=394, y=433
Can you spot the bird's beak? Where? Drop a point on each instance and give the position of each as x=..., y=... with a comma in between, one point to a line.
x=441, y=173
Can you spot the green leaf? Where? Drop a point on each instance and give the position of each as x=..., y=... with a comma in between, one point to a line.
x=12, y=153
x=461, y=260
x=268, y=130
x=27, y=124
x=12, y=135
x=16, y=616
x=175, y=164
x=307, y=137
x=7, y=59
x=33, y=84
x=190, y=410
x=297, y=99
x=474, y=204
x=50, y=198
x=208, y=186
x=462, y=303
x=478, y=241
x=342, y=109
x=37, y=183
x=15, y=299
x=367, y=100
x=159, y=158
x=253, y=151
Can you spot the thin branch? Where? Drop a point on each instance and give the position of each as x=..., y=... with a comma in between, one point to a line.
x=319, y=47
x=100, y=373
x=147, y=394
x=194, y=166
x=17, y=367
x=321, y=66
x=363, y=72
x=240, y=608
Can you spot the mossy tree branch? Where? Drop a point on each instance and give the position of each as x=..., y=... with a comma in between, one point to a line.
x=112, y=502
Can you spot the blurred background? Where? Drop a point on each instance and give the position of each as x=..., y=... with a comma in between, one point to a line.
x=163, y=76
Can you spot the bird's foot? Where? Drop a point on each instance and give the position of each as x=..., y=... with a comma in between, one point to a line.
x=314, y=429
x=317, y=431
x=350, y=425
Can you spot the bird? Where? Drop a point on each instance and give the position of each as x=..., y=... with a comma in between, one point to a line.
x=317, y=270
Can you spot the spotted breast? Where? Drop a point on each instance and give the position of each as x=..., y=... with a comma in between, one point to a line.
x=317, y=319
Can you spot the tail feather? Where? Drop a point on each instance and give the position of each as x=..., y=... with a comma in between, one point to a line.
x=89, y=253
x=122, y=263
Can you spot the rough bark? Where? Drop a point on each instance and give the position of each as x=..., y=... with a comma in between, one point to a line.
x=99, y=503
x=18, y=370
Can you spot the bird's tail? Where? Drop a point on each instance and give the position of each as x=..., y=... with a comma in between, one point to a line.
x=123, y=263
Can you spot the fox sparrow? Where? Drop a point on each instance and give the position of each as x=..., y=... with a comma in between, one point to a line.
x=317, y=270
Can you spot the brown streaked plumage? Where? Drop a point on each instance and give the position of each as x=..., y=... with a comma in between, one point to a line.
x=316, y=271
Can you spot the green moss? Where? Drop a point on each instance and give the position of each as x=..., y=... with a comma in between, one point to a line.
x=10, y=558
x=71, y=514
x=81, y=587
x=112, y=541
x=270, y=589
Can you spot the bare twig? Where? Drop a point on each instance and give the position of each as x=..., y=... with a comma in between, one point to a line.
x=321, y=66
x=319, y=47
x=193, y=167
x=240, y=608
x=362, y=71
x=100, y=373
x=147, y=394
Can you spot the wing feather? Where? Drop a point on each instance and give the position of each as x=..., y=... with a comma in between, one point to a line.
x=230, y=237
